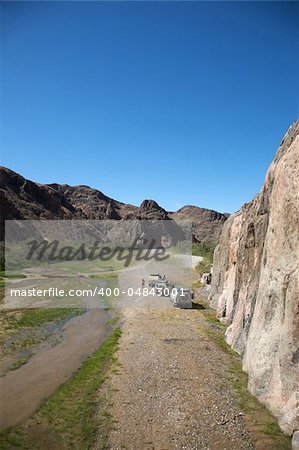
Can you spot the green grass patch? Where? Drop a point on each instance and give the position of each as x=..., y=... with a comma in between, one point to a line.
x=212, y=319
x=6, y=276
x=20, y=362
x=104, y=276
x=272, y=428
x=24, y=329
x=204, y=266
x=71, y=409
x=206, y=251
x=114, y=321
x=12, y=438
x=89, y=266
x=39, y=317
x=11, y=275
x=197, y=285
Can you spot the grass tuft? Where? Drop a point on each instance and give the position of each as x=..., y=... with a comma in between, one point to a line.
x=19, y=362
x=272, y=428
x=12, y=438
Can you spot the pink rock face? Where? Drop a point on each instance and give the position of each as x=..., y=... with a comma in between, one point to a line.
x=295, y=441
x=255, y=286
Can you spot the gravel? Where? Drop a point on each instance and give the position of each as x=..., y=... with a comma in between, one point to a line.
x=170, y=391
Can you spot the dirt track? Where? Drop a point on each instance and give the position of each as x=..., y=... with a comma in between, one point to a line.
x=171, y=390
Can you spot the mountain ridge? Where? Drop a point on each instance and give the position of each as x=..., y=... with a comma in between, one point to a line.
x=24, y=199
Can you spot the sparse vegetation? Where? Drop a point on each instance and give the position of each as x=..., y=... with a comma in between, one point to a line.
x=206, y=251
x=11, y=275
x=272, y=428
x=259, y=420
x=203, y=249
x=4, y=276
x=38, y=317
x=196, y=285
x=24, y=329
x=71, y=411
x=12, y=438
x=19, y=362
x=112, y=322
x=104, y=275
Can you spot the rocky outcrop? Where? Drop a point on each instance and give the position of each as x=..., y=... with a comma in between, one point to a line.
x=206, y=223
x=149, y=209
x=93, y=203
x=255, y=286
x=24, y=199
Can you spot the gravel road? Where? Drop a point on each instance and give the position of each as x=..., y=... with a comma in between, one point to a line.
x=170, y=391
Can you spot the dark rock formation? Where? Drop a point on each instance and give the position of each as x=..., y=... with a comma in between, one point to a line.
x=24, y=199
x=91, y=202
x=149, y=209
x=206, y=223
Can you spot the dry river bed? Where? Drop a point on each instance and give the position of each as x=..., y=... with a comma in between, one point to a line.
x=51, y=363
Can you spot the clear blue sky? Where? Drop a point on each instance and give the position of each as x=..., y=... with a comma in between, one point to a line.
x=182, y=102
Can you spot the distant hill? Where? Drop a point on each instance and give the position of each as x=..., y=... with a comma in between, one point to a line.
x=24, y=199
x=206, y=223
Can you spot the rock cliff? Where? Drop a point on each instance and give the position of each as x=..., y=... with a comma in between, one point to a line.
x=255, y=286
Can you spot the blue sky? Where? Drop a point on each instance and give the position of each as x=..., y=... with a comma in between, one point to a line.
x=182, y=102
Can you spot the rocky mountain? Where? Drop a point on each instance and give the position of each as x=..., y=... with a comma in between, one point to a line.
x=93, y=203
x=24, y=199
x=255, y=286
x=206, y=223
